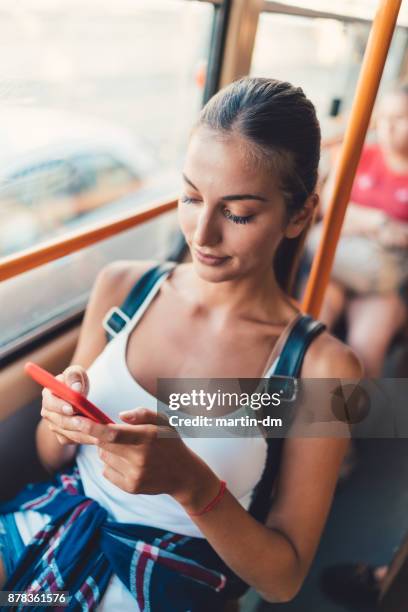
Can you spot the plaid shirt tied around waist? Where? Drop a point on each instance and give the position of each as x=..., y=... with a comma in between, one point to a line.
x=81, y=547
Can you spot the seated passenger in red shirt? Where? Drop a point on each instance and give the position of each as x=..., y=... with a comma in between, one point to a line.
x=378, y=185
x=370, y=272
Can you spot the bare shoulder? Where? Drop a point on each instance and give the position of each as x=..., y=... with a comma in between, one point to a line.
x=115, y=280
x=111, y=286
x=328, y=357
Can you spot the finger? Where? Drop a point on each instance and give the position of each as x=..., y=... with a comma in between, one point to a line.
x=76, y=423
x=75, y=376
x=55, y=417
x=53, y=403
x=97, y=430
x=121, y=449
x=116, y=462
x=73, y=436
x=115, y=477
x=142, y=415
x=103, y=433
x=127, y=434
x=63, y=439
x=64, y=406
x=137, y=439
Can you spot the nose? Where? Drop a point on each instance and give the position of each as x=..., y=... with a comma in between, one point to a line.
x=207, y=231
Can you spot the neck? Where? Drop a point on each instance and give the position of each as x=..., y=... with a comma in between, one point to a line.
x=255, y=295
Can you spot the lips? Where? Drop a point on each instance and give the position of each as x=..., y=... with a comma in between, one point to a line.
x=210, y=259
x=210, y=256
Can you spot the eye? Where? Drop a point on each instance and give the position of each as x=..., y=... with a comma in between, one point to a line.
x=186, y=200
x=236, y=218
x=227, y=213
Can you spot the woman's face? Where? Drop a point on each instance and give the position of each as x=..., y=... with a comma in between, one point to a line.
x=392, y=123
x=231, y=208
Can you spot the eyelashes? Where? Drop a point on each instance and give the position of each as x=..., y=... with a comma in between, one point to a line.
x=237, y=218
x=228, y=214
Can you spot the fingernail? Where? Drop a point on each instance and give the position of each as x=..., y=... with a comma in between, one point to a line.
x=76, y=386
x=76, y=422
x=67, y=409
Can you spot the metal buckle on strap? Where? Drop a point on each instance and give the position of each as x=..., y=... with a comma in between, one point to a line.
x=114, y=311
x=286, y=386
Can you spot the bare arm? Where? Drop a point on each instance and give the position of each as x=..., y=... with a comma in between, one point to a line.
x=111, y=286
x=275, y=558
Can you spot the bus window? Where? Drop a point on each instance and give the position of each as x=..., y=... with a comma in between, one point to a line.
x=97, y=103
x=90, y=84
x=324, y=57
x=53, y=293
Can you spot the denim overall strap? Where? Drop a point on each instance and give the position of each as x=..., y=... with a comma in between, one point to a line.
x=291, y=358
x=290, y=362
x=117, y=318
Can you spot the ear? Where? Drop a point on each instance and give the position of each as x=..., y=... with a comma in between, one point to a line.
x=300, y=219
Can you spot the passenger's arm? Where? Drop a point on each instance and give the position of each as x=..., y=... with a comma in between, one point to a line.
x=376, y=224
x=363, y=221
x=394, y=233
x=111, y=286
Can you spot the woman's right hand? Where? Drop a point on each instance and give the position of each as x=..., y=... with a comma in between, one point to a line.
x=58, y=414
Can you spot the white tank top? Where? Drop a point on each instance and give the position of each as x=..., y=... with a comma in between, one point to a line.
x=237, y=460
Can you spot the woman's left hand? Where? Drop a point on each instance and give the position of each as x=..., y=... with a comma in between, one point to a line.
x=147, y=455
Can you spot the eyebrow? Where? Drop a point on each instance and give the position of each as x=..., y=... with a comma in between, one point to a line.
x=233, y=197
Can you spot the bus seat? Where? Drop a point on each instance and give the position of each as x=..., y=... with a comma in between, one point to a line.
x=232, y=606
x=20, y=405
x=18, y=452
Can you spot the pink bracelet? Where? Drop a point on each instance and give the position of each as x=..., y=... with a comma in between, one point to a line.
x=213, y=502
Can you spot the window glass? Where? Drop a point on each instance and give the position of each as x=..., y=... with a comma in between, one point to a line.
x=34, y=301
x=96, y=102
x=97, y=99
x=323, y=56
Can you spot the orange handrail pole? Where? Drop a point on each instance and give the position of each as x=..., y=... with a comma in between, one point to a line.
x=371, y=71
x=54, y=249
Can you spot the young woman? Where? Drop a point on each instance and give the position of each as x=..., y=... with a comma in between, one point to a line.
x=249, y=180
x=370, y=274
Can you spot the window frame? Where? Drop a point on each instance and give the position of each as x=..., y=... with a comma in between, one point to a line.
x=271, y=6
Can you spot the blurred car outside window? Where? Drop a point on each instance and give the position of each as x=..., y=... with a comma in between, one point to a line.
x=97, y=100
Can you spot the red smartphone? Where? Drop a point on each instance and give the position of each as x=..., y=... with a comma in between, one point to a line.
x=61, y=390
